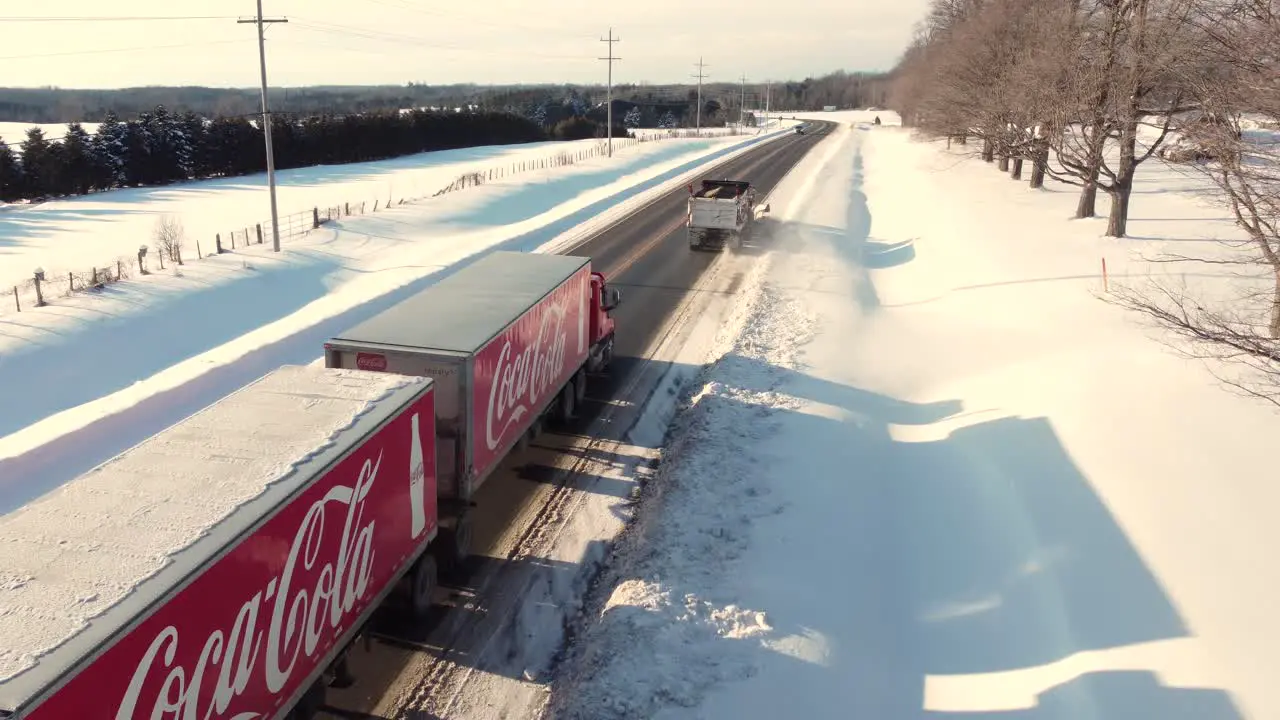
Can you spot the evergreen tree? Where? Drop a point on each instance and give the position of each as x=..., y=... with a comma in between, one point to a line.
x=632, y=119
x=77, y=166
x=39, y=168
x=108, y=149
x=137, y=152
x=10, y=174
x=196, y=136
x=167, y=148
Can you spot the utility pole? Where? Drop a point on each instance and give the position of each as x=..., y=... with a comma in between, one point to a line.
x=768, y=90
x=700, y=77
x=611, y=40
x=266, y=119
x=742, y=106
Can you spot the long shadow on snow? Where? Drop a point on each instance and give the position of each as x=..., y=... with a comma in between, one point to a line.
x=60, y=374
x=21, y=227
x=1115, y=695
x=48, y=466
x=982, y=551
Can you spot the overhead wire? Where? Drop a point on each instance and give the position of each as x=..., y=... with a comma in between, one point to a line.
x=111, y=18
x=138, y=48
x=312, y=25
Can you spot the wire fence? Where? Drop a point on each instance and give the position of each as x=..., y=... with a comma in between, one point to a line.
x=46, y=288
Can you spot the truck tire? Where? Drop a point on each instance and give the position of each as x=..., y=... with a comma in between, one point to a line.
x=310, y=704
x=455, y=548
x=422, y=585
x=580, y=385
x=567, y=408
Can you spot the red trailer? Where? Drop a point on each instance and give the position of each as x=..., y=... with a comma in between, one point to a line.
x=223, y=567
x=509, y=341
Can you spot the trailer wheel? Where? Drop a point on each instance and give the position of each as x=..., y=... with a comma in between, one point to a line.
x=455, y=548
x=310, y=704
x=568, y=404
x=422, y=585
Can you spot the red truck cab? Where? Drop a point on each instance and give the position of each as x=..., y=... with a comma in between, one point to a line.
x=603, y=300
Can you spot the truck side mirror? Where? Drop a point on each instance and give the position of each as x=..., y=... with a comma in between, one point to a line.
x=766, y=208
x=612, y=298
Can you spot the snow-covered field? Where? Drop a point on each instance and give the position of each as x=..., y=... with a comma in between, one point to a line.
x=932, y=474
x=79, y=233
x=13, y=133
x=91, y=374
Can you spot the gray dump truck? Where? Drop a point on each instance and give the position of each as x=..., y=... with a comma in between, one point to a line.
x=721, y=213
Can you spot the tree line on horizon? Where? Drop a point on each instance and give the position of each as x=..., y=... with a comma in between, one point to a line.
x=62, y=105
x=1087, y=91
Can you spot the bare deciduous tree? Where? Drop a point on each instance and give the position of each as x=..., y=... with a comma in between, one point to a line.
x=169, y=237
x=1127, y=58
x=1235, y=141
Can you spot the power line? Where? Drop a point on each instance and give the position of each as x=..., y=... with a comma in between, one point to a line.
x=609, y=96
x=384, y=36
x=262, y=22
x=701, y=76
x=139, y=48
x=404, y=5
x=113, y=18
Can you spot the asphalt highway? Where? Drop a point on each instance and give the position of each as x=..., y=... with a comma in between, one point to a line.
x=410, y=664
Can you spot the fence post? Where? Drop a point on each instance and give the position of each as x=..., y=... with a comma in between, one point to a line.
x=217, y=242
x=375, y=206
x=16, y=301
x=233, y=239
x=259, y=227
x=199, y=253
x=347, y=207
x=119, y=270
x=71, y=280
x=315, y=218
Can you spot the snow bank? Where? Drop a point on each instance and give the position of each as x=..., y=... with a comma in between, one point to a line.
x=78, y=551
x=935, y=475
x=666, y=631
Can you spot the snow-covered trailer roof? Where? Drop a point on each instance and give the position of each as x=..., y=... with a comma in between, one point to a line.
x=79, y=565
x=464, y=311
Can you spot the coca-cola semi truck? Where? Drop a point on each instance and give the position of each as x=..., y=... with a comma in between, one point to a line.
x=509, y=341
x=222, y=568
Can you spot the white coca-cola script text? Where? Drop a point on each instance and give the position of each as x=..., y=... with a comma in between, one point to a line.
x=521, y=381
x=300, y=617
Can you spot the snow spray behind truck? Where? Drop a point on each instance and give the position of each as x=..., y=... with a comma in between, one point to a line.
x=223, y=567
x=508, y=341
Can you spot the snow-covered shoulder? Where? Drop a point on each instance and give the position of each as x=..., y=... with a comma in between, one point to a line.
x=935, y=474
x=669, y=625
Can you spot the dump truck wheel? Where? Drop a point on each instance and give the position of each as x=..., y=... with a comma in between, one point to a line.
x=422, y=585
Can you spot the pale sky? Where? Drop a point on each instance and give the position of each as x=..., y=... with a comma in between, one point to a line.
x=372, y=42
